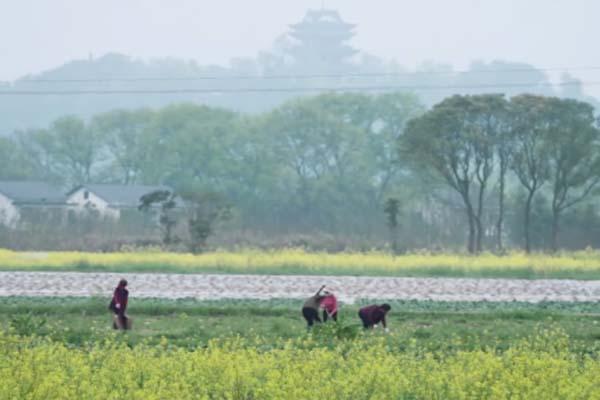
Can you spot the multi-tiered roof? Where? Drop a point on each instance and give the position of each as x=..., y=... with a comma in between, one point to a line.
x=321, y=40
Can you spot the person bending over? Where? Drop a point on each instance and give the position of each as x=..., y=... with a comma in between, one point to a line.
x=310, y=309
x=373, y=315
x=329, y=306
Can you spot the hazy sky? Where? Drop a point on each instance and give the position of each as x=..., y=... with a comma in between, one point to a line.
x=40, y=34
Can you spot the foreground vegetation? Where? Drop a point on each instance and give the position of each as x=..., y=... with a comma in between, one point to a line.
x=234, y=369
x=56, y=348
x=571, y=265
x=434, y=351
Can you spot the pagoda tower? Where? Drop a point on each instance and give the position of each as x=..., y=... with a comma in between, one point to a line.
x=321, y=42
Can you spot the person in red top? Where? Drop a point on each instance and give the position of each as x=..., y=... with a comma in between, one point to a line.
x=329, y=306
x=374, y=314
x=118, y=304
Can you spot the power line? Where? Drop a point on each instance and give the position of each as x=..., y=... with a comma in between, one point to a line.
x=293, y=77
x=382, y=88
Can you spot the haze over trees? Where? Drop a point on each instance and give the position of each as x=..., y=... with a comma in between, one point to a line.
x=314, y=56
x=312, y=139
x=328, y=164
x=464, y=139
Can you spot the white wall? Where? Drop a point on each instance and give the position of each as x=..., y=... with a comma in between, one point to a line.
x=9, y=214
x=78, y=202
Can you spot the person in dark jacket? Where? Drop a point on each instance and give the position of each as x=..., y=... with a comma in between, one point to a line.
x=118, y=305
x=373, y=315
x=310, y=309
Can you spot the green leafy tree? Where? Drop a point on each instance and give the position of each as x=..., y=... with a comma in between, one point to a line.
x=573, y=155
x=504, y=148
x=193, y=143
x=456, y=141
x=436, y=143
x=167, y=203
x=392, y=210
x=392, y=113
x=13, y=162
x=254, y=173
x=76, y=149
x=204, y=210
x=483, y=129
x=321, y=152
x=68, y=151
x=126, y=136
x=529, y=116
x=37, y=147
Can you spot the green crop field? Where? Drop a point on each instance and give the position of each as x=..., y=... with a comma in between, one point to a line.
x=56, y=348
x=193, y=323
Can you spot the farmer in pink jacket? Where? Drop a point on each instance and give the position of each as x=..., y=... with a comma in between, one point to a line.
x=329, y=306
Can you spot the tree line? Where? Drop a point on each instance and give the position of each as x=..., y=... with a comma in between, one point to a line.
x=470, y=141
x=329, y=163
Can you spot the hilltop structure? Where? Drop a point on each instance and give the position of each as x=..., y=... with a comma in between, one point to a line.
x=321, y=42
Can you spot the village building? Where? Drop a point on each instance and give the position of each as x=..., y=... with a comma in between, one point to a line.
x=109, y=200
x=17, y=198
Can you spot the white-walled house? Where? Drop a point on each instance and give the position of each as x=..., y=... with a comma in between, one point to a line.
x=17, y=196
x=108, y=199
x=9, y=214
x=42, y=202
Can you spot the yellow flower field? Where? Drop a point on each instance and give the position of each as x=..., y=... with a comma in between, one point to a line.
x=583, y=265
x=35, y=369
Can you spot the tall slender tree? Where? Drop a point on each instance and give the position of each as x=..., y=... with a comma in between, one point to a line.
x=529, y=158
x=457, y=140
x=573, y=153
x=436, y=142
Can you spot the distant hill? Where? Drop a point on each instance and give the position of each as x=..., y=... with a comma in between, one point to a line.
x=118, y=73
x=313, y=56
x=99, y=74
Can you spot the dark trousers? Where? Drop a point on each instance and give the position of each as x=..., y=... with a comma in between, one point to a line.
x=121, y=319
x=333, y=316
x=365, y=320
x=310, y=315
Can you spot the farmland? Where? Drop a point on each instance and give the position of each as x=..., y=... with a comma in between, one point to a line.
x=567, y=265
x=233, y=370
x=192, y=323
x=256, y=346
x=64, y=348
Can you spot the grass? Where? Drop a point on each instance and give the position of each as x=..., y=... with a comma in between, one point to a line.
x=568, y=265
x=190, y=323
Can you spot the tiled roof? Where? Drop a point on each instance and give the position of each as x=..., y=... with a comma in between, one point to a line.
x=121, y=195
x=32, y=192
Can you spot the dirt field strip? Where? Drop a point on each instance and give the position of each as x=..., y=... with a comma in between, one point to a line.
x=348, y=288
